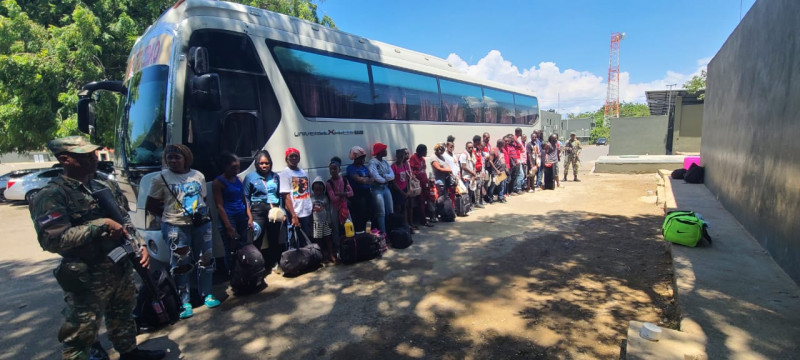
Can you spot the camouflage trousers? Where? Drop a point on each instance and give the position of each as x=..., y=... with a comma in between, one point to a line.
x=112, y=295
x=574, y=161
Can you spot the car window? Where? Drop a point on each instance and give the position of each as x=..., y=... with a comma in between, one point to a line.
x=50, y=173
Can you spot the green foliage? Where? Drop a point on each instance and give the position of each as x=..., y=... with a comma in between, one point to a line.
x=50, y=49
x=696, y=84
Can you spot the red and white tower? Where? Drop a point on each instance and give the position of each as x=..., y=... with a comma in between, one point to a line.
x=612, y=96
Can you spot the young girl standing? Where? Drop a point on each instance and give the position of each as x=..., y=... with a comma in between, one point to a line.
x=322, y=218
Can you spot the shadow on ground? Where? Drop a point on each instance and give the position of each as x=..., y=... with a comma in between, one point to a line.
x=565, y=286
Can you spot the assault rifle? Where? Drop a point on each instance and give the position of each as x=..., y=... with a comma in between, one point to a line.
x=125, y=250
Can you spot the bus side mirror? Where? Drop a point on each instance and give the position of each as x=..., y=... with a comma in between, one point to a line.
x=205, y=92
x=86, y=115
x=198, y=60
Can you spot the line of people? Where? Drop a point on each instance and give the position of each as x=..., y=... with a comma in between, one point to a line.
x=269, y=202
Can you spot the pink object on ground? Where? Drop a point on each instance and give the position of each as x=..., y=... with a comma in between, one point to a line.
x=689, y=160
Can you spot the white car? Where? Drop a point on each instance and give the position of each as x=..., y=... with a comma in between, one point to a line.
x=26, y=187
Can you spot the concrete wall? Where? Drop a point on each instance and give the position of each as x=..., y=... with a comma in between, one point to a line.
x=688, y=127
x=638, y=136
x=751, y=127
x=581, y=127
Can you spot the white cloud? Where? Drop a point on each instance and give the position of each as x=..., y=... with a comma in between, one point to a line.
x=571, y=91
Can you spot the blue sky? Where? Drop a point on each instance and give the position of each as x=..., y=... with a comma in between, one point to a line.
x=558, y=49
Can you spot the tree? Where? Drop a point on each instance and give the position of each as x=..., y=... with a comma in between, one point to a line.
x=50, y=49
x=696, y=84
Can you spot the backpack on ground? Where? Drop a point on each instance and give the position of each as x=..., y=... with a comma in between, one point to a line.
x=248, y=272
x=361, y=247
x=444, y=208
x=300, y=260
x=685, y=228
x=695, y=174
x=165, y=299
x=463, y=205
x=678, y=174
x=398, y=231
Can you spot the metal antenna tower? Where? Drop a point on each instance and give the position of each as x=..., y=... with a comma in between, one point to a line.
x=612, y=95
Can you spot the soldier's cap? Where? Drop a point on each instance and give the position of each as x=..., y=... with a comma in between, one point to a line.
x=572, y=133
x=72, y=144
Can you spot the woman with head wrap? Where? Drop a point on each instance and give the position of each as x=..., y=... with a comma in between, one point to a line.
x=361, y=182
x=176, y=195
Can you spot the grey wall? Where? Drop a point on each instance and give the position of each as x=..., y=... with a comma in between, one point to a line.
x=688, y=127
x=638, y=136
x=581, y=127
x=550, y=121
x=751, y=127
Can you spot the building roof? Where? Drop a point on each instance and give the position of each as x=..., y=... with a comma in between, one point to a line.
x=657, y=99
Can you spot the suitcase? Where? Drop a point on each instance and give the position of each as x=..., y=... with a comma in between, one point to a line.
x=248, y=271
x=166, y=298
x=300, y=260
x=549, y=180
x=400, y=238
x=361, y=247
x=463, y=205
x=444, y=208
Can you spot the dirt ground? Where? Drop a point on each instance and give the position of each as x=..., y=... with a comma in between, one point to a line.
x=565, y=288
x=549, y=275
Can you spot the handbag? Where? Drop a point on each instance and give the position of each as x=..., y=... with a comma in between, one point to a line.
x=414, y=187
x=276, y=214
x=198, y=217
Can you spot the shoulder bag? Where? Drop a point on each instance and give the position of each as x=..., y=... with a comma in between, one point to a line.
x=198, y=218
x=414, y=187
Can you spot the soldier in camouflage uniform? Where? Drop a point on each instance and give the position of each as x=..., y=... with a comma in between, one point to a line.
x=572, y=149
x=69, y=222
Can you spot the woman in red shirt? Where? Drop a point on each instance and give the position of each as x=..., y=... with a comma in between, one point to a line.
x=419, y=170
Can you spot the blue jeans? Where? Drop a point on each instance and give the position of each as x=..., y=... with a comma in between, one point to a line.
x=191, y=254
x=239, y=223
x=540, y=176
x=382, y=198
x=519, y=178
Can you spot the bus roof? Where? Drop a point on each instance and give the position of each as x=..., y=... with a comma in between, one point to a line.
x=301, y=32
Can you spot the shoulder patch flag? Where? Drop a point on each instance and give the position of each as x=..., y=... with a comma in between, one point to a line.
x=46, y=219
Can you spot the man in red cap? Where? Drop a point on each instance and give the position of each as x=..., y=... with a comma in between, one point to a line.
x=382, y=175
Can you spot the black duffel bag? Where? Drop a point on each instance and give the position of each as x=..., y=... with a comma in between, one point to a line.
x=361, y=247
x=400, y=238
x=299, y=260
x=695, y=174
x=678, y=174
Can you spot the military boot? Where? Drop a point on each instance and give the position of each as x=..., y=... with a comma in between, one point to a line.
x=140, y=354
x=575, y=179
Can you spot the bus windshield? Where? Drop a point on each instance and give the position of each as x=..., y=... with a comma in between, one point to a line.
x=144, y=115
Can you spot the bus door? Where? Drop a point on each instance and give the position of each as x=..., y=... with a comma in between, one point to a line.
x=231, y=105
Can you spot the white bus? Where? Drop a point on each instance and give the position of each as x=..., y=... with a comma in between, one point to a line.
x=220, y=76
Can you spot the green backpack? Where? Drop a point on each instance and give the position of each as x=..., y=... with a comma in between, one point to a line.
x=685, y=228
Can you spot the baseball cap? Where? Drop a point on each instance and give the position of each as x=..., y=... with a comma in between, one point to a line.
x=377, y=148
x=72, y=144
